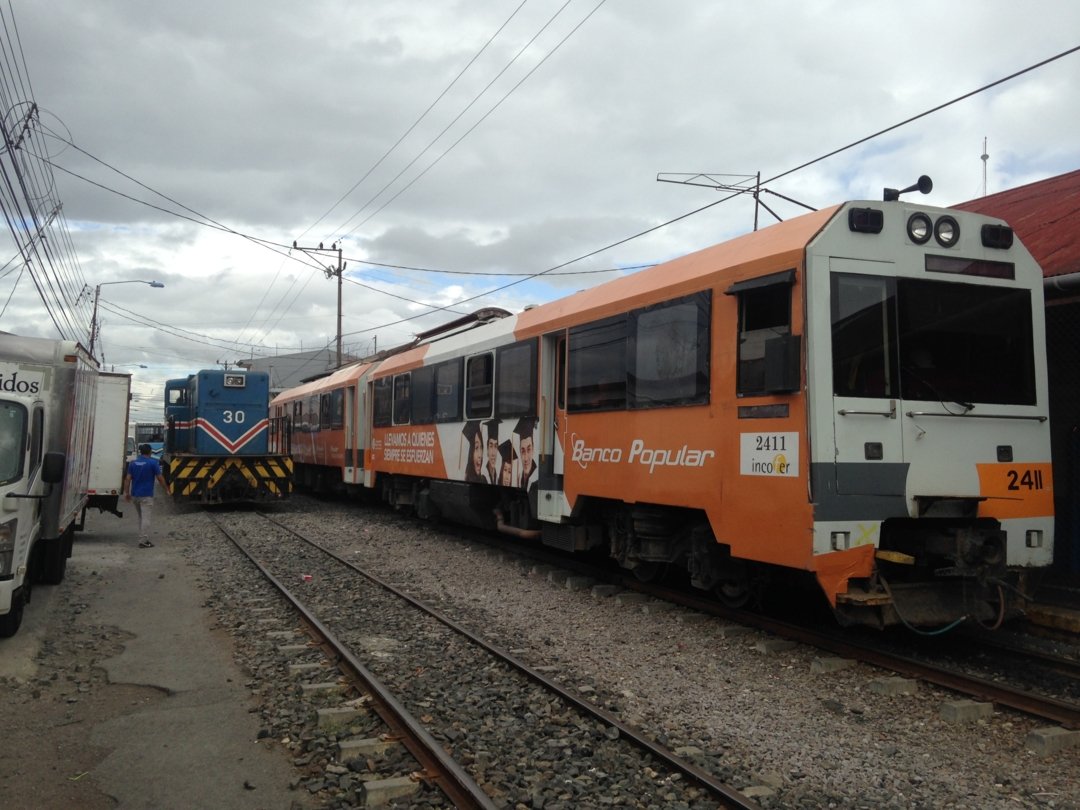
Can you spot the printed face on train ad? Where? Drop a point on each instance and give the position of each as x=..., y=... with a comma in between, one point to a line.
x=497, y=452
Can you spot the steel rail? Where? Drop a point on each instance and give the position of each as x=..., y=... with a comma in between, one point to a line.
x=438, y=766
x=1047, y=708
x=728, y=796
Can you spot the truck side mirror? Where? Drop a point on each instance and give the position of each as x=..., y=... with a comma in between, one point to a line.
x=52, y=468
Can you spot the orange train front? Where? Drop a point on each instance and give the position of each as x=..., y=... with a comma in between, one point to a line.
x=858, y=394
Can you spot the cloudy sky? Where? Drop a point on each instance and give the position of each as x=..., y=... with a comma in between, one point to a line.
x=478, y=143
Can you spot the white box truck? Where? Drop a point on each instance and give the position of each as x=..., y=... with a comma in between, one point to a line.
x=108, y=455
x=47, y=399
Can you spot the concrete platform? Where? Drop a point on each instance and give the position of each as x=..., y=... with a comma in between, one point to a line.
x=195, y=744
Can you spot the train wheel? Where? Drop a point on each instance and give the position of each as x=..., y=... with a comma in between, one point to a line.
x=648, y=571
x=734, y=593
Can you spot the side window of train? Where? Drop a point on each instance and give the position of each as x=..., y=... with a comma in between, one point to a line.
x=768, y=352
x=325, y=411
x=668, y=353
x=298, y=416
x=402, y=398
x=515, y=384
x=597, y=366
x=383, y=407
x=448, y=390
x=313, y=413
x=479, y=376
x=337, y=408
x=423, y=395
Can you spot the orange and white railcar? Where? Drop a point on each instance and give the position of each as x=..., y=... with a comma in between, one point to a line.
x=327, y=427
x=858, y=394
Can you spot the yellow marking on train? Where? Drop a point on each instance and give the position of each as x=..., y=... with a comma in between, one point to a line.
x=894, y=556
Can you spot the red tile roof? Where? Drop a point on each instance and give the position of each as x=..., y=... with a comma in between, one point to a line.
x=1046, y=217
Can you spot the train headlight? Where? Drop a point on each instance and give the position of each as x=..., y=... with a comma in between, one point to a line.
x=919, y=228
x=947, y=231
x=997, y=236
x=866, y=220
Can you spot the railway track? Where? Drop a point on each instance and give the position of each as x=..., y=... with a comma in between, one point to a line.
x=506, y=711
x=992, y=686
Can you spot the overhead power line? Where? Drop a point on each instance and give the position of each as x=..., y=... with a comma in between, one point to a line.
x=470, y=130
x=609, y=246
x=416, y=123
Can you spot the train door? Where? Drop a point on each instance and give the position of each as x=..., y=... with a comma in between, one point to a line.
x=551, y=502
x=179, y=428
x=367, y=405
x=867, y=420
x=353, y=462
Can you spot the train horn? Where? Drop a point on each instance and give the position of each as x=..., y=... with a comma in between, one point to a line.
x=924, y=184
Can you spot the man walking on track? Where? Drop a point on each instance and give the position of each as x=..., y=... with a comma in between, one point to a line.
x=139, y=486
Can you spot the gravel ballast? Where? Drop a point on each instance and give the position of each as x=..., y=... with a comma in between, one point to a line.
x=794, y=739
x=760, y=720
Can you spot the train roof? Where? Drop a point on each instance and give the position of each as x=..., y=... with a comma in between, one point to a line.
x=334, y=379
x=756, y=250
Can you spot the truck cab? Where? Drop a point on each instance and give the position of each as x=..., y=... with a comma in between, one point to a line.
x=47, y=403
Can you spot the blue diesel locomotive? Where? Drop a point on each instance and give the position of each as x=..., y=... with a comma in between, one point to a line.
x=220, y=444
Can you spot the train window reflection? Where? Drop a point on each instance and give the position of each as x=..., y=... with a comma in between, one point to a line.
x=337, y=408
x=516, y=380
x=423, y=394
x=863, y=329
x=932, y=341
x=764, y=313
x=448, y=391
x=597, y=366
x=383, y=407
x=480, y=373
x=965, y=343
x=402, y=399
x=669, y=353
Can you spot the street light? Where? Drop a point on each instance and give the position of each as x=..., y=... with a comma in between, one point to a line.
x=97, y=295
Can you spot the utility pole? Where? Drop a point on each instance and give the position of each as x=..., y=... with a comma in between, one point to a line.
x=330, y=272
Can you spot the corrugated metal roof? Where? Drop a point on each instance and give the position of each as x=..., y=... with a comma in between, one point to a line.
x=1046, y=217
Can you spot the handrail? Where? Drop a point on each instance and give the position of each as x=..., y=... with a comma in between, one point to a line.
x=891, y=413
x=970, y=415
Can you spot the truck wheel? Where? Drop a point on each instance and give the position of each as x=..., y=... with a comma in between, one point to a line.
x=53, y=562
x=10, y=621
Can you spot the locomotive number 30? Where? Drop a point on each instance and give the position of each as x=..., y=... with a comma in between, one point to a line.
x=232, y=417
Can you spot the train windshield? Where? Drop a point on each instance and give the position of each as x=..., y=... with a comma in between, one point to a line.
x=12, y=441
x=904, y=338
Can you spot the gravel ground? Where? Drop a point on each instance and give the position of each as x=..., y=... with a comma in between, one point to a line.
x=792, y=739
x=796, y=740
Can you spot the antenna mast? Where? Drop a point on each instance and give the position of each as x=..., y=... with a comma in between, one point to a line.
x=984, y=157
